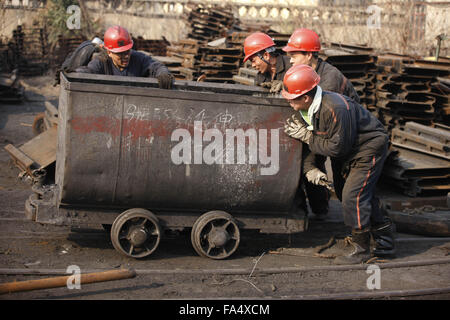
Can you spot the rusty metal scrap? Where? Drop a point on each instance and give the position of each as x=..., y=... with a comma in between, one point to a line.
x=433, y=141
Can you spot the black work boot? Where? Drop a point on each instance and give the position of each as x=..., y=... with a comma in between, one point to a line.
x=360, y=241
x=383, y=236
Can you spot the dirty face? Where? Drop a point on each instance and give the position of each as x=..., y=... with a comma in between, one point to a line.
x=120, y=59
x=259, y=64
x=300, y=57
x=301, y=103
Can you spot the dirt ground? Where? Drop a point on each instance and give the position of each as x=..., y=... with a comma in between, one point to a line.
x=175, y=271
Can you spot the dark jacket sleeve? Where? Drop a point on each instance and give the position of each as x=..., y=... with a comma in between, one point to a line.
x=151, y=68
x=338, y=139
x=94, y=66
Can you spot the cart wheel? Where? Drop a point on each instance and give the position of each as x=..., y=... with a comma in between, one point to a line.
x=215, y=235
x=39, y=124
x=136, y=233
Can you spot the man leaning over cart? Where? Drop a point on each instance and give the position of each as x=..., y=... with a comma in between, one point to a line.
x=121, y=60
x=357, y=145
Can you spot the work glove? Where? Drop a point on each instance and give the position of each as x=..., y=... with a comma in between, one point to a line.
x=296, y=129
x=317, y=177
x=165, y=81
x=274, y=86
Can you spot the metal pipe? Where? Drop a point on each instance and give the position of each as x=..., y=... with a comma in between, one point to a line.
x=62, y=281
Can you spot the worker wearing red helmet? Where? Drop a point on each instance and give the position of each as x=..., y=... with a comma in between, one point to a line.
x=260, y=50
x=303, y=48
x=356, y=142
x=124, y=61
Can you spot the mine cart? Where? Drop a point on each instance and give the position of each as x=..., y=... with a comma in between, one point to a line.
x=206, y=156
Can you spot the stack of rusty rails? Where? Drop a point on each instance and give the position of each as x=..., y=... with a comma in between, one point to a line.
x=237, y=39
x=246, y=76
x=11, y=91
x=5, y=58
x=404, y=91
x=416, y=173
x=414, y=136
x=208, y=23
x=29, y=49
x=201, y=62
x=173, y=64
x=358, y=64
x=155, y=47
x=440, y=89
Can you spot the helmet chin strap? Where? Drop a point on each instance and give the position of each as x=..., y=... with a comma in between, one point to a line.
x=261, y=56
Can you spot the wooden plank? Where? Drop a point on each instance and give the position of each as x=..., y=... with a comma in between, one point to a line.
x=41, y=149
x=20, y=159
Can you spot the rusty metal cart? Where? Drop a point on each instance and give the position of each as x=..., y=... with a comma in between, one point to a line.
x=207, y=156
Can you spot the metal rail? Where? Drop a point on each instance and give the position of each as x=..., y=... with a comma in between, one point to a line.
x=241, y=271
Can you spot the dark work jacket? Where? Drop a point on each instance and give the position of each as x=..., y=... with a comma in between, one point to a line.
x=282, y=67
x=140, y=65
x=331, y=79
x=344, y=131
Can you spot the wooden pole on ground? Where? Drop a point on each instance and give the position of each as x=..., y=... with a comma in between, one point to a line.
x=56, y=282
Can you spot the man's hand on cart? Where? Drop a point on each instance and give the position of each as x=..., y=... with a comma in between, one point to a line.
x=165, y=81
x=274, y=86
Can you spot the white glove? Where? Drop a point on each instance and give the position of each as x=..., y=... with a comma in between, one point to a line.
x=317, y=177
x=295, y=129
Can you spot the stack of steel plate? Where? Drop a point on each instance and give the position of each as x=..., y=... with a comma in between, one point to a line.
x=358, y=64
x=405, y=91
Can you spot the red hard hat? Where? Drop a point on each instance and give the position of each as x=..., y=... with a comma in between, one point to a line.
x=303, y=40
x=117, y=39
x=256, y=42
x=298, y=80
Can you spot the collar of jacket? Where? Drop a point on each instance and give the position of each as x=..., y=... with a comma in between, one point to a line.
x=314, y=107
